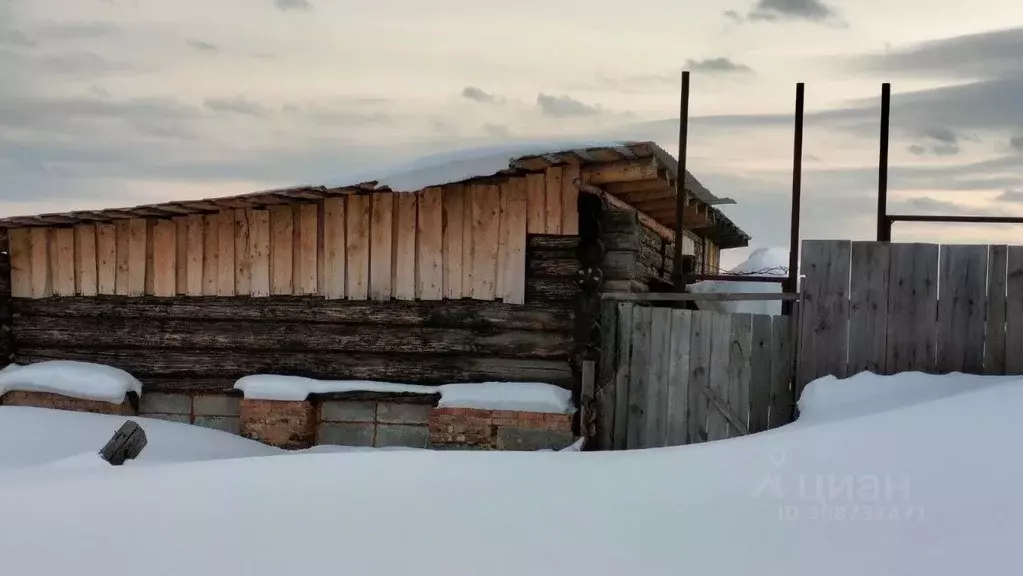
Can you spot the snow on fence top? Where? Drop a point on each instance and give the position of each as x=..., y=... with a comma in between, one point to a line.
x=70, y=378
x=518, y=396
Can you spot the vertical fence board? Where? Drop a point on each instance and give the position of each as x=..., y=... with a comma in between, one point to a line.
x=62, y=261
x=569, y=200
x=242, y=254
x=1014, y=311
x=106, y=259
x=453, y=202
x=468, y=241
x=783, y=397
x=994, y=334
x=20, y=246
x=430, y=244
x=699, y=378
x=536, y=204
x=165, y=258
x=150, y=255
x=334, y=247
x=638, y=376
x=194, y=266
x=912, y=308
x=181, y=259
x=623, y=375
x=655, y=429
x=720, y=351
x=404, y=273
x=138, y=254
x=259, y=251
x=962, y=303
x=513, y=235
x=381, y=231
x=606, y=376
x=225, y=253
x=740, y=355
x=552, y=185
x=306, y=260
x=486, y=206
x=825, y=309
x=42, y=279
x=357, y=233
x=760, y=372
x=678, y=377
x=868, y=307
x=86, y=267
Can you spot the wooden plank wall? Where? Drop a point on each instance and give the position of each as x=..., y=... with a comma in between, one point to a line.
x=888, y=308
x=671, y=376
x=460, y=241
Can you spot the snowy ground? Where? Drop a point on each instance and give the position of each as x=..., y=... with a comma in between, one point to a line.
x=903, y=475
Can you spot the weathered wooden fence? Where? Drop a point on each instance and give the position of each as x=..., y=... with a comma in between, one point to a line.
x=670, y=376
x=886, y=308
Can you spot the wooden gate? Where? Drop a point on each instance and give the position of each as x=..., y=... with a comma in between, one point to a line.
x=669, y=376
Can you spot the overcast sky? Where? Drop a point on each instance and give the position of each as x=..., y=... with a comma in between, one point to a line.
x=117, y=102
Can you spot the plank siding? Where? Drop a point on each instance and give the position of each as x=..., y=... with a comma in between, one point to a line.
x=259, y=252
x=380, y=251
x=62, y=261
x=995, y=331
x=165, y=258
x=282, y=250
x=1014, y=310
x=20, y=244
x=181, y=235
x=912, y=308
x=138, y=254
x=357, y=235
x=306, y=249
x=486, y=207
x=404, y=272
x=569, y=200
x=334, y=224
x=42, y=280
x=86, y=267
x=453, y=220
x=536, y=204
x=225, y=253
x=196, y=252
x=242, y=254
x=429, y=246
x=211, y=255
x=553, y=193
x=513, y=242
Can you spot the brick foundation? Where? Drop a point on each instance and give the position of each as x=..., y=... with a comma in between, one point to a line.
x=290, y=425
x=499, y=429
x=58, y=402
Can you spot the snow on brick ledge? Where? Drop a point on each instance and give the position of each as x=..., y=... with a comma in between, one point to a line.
x=61, y=402
x=516, y=396
x=82, y=380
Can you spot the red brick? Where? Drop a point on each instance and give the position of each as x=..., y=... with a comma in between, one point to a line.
x=531, y=416
x=504, y=414
x=58, y=402
x=290, y=425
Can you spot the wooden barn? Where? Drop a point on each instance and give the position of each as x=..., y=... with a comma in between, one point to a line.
x=466, y=281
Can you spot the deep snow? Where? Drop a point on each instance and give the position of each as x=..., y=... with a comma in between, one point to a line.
x=70, y=378
x=912, y=481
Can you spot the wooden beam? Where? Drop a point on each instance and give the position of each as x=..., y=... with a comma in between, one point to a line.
x=648, y=195
x=625, y=171
x=700, y=297
x=617, y=203
x=617, y=188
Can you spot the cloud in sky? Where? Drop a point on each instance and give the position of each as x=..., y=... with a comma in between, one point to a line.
x=108, y=103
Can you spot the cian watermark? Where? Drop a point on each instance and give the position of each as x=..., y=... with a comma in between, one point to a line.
x=838, y=497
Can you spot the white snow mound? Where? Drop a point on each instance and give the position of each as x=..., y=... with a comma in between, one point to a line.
x=926, y=488
x=762, y=262
x=82, y=380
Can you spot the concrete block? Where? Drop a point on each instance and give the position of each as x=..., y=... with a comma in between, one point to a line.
x=179, y=418
x=348, y=411
x=230, y=424
x=402, y=435
x=346, y=434
x=510, y=438
x=160, y=403
x=403, y=413
x=216, y=405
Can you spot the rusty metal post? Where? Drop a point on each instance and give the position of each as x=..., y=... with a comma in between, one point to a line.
x=792, y=282
x=884, y=227
x=677, y=275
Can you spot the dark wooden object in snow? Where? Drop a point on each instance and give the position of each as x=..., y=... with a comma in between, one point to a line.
x=126, y=444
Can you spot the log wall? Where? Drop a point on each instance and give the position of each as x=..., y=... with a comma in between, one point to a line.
x=638, y=259
x=456, y=241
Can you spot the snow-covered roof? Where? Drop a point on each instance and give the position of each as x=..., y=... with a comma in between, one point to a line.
x=434, y=170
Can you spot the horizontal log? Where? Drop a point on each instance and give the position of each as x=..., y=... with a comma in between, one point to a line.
x=225, y=386
x=437, y=314
x=551, y=289
x=701, y=297
x=551, y=242
x=558, y=268
x=171, y=365
x=133, y=333
x=625, y=171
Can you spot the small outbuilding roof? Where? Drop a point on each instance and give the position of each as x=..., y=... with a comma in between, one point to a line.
x=648, y=185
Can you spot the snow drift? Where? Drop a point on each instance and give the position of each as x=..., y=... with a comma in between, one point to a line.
x=925, y=485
